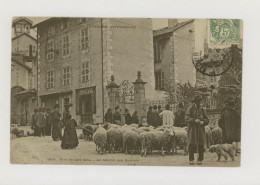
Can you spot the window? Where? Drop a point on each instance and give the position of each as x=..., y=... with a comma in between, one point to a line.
x=34, y=49
x=84, y=39
x=66, y=76
x=66, y=101
x=64, y=24
x=50, y=79
x=85, y=72
x=157, y=52
x=50, y=50
x=65, y=45
x=51, y=30
x=18, y=28
x=27, y=28
x=159, y=80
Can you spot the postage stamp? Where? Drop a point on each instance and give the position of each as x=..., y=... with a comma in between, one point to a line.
x=224, y=31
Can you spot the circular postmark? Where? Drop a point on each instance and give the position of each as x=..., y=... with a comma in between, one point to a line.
x=215, y=62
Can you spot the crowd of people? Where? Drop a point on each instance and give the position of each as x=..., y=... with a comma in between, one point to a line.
x=50, y=123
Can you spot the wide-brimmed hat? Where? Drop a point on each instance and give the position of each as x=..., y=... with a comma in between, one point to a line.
x=155, y=107
x=197, y=98
x=56, y=106
x=68, y=105
x=167, y=106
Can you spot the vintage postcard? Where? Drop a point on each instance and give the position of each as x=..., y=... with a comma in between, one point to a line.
x=126, y=91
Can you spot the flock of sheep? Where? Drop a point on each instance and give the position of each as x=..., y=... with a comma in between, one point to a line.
x=143, y=140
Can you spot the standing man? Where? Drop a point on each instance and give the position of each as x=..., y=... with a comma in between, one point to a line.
x=34, y=121
x=179, y=120
x=117, y=116
x=155, y=118
x=149, y=116
x=197, y=119
x=41, y=123
x=135, y=118
x=128, y=117
x=167, y=116
x=56, y=123
x=109, y=116
x=48, y=122
x=230, y=122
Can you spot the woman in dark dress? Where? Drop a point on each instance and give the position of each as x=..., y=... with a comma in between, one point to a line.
x=69, y=139
x=56, y=123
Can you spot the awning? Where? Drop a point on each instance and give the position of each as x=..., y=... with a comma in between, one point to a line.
x=56, y=94
x=29, y=93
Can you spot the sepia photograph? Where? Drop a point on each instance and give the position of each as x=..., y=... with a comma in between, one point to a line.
x=126, y=91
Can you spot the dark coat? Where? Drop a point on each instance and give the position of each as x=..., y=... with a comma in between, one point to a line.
x=56, y=125
x=48, y=125
x=196, y=132
x=230, y=122
x=149, y=117
x=70, y=139
x=128, y=118
x=135, y=119
x=179, y=120
x=109, y=117
x=117, y=116
x=155, y=118
x=65, y=116
x=41, y=119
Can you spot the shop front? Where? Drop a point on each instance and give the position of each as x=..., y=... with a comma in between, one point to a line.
x=86, y=104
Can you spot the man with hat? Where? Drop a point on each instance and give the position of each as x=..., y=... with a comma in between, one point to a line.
x=56, y=123
x=196, y=119
x=128, y=117
x=179, y=120
x=167, y=116
x=230, y=122
x=155, y=118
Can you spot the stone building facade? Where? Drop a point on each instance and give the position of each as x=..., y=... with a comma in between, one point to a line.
x=78, y=56
x=173, y=49
x=24, y=71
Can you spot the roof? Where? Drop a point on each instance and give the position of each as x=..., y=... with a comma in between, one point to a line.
x=18, y=62
x=171, y=29
x=24, y=34
x=20, y=19
x=26, y=93
x=47, y=20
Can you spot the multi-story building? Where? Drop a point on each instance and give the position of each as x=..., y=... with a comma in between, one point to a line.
x=24, y=70
x=173, y=49
x=77, y=56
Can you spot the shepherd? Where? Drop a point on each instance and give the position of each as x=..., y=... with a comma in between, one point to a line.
x=197, y=119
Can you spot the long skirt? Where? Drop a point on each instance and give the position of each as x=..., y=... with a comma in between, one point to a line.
x=56, y=132
x=69, y=139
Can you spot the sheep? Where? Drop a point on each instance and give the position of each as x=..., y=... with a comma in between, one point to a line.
x=156, y=140
x=113, y=126
x=81, y=136
x=208, y=137
x=88, y=131
x=130, y=139
x=30, y=133
x=14, y=132
x=216, y=135
x=181, y=139
x=134, y=125
x=100, y=139
x=224, y=150
x=114, y=139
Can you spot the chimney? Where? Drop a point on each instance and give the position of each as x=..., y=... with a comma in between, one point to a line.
x=172, y=22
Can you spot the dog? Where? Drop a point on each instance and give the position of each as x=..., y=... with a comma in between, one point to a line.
x=224, y=150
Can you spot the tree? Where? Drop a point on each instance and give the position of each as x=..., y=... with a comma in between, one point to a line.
x=180, y=93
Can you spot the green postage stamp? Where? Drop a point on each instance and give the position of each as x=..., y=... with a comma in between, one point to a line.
x=225, y=31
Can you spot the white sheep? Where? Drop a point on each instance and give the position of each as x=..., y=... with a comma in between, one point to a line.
x=216, y=135
x=100, y=139
x=181, y=139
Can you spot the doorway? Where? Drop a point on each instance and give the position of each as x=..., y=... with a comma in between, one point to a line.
x=86, y=111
